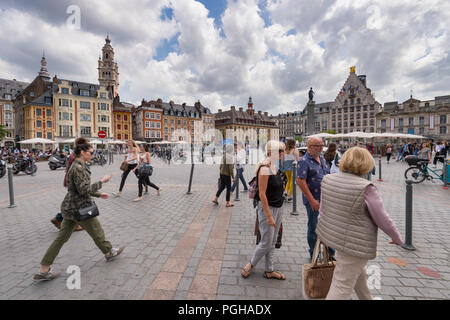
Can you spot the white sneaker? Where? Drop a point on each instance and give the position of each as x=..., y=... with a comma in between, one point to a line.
x=117, y=194
x=114, y=253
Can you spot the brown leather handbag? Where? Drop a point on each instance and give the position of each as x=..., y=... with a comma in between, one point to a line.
x=317, y=276
x=124, y=166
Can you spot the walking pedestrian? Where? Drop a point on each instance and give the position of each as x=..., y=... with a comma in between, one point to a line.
x=226, y=174
x=310, y=171
x=388, y=152
x=270, y=210
x=132, y=159
x=439, y=154
x=80, y=191
x=239, y=161
x=144, y=180
x=351, y=211
x=58, y=219
x=290, y=155
x=332, y=158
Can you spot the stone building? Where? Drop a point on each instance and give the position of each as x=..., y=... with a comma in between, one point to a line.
x=108, y=70
x=429, y=118
x=246, y=127
x=354, y=109
x=122, y=119
x=290, y=124
x=8, y=91
x=147, y=122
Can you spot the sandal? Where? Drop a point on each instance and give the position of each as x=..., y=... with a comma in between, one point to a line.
x=274, y=275
x=231, y=205
x=246, y=272
x=215, y=202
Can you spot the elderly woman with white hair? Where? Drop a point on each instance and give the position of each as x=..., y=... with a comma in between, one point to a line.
x=351, y=211
x=270, y=211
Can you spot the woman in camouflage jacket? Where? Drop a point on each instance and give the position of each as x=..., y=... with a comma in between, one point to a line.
x=79, y=195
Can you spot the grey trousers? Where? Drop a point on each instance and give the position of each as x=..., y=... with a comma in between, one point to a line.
x=268, y=236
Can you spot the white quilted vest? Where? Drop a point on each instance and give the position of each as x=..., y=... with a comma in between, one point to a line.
x=345, y=223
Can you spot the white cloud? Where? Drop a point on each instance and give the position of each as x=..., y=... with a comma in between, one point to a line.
x=399, y=45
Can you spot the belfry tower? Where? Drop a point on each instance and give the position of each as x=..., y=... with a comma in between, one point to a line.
x=108, y=70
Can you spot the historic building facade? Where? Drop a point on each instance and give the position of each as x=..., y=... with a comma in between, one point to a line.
x=122, y=119
x=246, y=126
x=8, y=91
x=354, y=109
x=82, y=109
x=147, y=122
x=290, y=124
x=429, y=118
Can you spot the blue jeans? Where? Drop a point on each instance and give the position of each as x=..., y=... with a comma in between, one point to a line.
x=311, y=235
x=239, y=175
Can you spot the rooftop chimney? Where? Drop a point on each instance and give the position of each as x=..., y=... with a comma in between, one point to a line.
x=241, y=109
x=55, y=79
x=220, y=110
x=266, y=114
x=233, y=108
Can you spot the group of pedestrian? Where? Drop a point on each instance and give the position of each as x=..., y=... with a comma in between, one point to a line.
x=134, y=162
x=344, y=210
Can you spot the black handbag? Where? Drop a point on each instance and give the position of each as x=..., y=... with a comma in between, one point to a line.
x=87, y=213
x=145, y=169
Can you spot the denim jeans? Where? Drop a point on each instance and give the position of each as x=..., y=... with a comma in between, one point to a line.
x=239, y=175
x=312, y=224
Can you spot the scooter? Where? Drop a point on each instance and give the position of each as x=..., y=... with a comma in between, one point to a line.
x=56, y=162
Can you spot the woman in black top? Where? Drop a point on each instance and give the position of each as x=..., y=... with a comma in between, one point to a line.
x=270, y=211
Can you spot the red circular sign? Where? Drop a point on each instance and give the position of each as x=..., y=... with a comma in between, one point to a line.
x=102, y=134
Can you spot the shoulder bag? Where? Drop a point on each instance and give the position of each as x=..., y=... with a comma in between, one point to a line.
x=124, y=166
x=87, y=213
x=317, y=276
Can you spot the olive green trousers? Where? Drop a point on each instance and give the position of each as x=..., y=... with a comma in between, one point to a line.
x=91, y=226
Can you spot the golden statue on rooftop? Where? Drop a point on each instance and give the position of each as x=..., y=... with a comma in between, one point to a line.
x=353, y=69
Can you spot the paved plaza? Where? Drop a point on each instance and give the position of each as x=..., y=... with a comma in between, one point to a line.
x=181, y=246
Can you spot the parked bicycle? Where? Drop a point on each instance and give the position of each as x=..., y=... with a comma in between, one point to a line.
x=419, y=170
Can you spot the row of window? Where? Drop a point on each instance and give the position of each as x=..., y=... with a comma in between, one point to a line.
x=125, y=117
x=152, y=134
x=83, y=104
x=48, y=112
x=40, y=135
x=352, y=109
x=125, y=127
x=153, y=115
x=67, y=131
x=153, y=125
x=352, y=116
x=442, y=130
x=84, y=93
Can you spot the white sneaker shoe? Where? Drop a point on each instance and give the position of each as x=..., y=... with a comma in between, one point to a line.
x=114, y=253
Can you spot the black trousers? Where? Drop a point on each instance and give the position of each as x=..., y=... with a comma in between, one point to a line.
x=225, y=182
x=439, y=157
x=145, y=180
x=388, y=156
x=125, y=175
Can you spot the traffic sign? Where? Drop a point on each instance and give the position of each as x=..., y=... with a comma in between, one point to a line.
x=102, y=134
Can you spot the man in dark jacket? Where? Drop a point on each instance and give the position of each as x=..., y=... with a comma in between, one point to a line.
x=58, y=219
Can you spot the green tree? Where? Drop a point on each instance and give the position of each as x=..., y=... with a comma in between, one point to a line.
x=3, y=131
x=329, y=131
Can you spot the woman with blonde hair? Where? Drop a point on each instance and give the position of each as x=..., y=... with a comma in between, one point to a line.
x=351, y=211
x=132, y=159
x=270, y=211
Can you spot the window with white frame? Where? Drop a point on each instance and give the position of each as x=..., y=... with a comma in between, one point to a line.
x=147, y=124
x=147, y=134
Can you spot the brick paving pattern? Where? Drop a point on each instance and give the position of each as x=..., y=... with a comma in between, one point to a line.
x=182, y=246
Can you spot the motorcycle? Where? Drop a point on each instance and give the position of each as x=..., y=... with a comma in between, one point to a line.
x=2, y=168
x=25, y=164
x=99, y=158
x=57, y=161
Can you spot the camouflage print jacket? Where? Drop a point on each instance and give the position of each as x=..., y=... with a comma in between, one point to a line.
x=80, y=190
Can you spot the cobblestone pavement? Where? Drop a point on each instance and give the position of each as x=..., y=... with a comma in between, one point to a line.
x=181, y=246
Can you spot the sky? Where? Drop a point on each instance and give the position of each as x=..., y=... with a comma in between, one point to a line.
x=222, y=52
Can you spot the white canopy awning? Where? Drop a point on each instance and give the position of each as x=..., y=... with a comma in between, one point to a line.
x=37, y=141
x=116, y=142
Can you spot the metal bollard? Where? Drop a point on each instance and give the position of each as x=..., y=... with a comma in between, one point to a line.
x=294, y=191
x=237, y=189
x=192, y=169
x=445, y=174
x=379, y=169
x=11, y=188
x=408, y=209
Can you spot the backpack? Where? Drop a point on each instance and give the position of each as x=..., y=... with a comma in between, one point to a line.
x=253, y=186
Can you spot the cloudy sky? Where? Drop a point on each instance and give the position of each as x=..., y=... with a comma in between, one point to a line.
x=223, y=51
